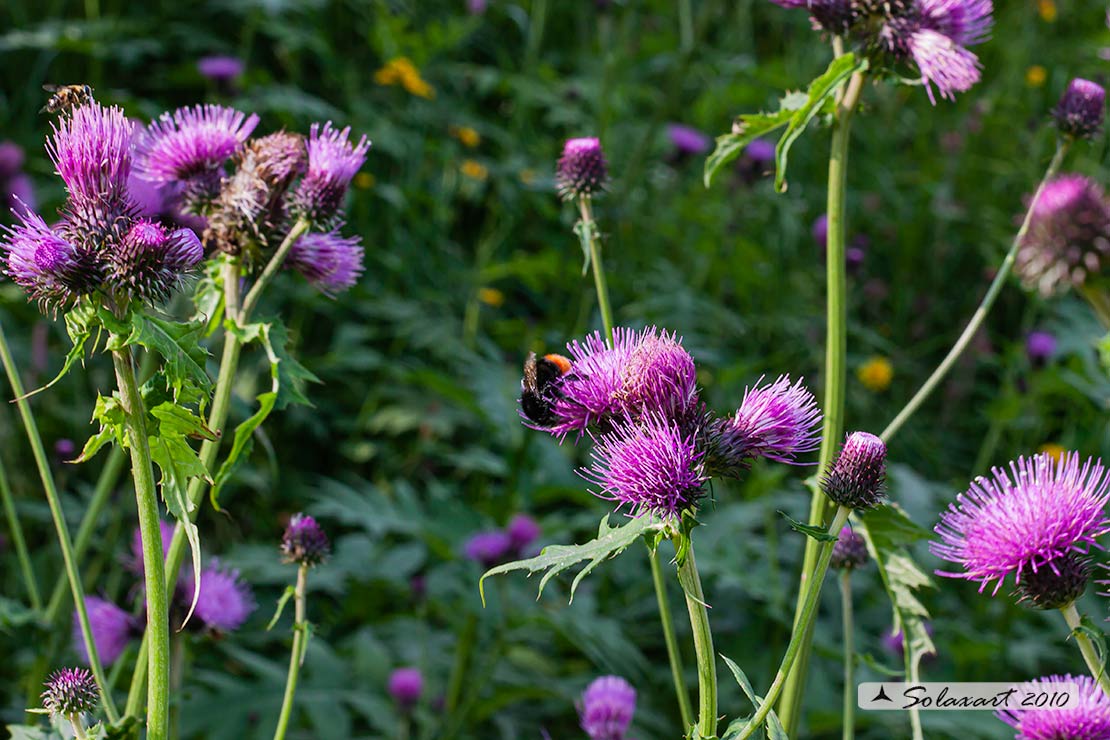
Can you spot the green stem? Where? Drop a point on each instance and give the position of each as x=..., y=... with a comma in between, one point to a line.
x=52, y=500
x=78, y=727
x=12, y=516
x=836, y=349
x=600, y=284
x=146, y=502
x=462, y=660
x=296, y=658
x=849, y=655
x=1086, y=647
x=703, y=646
x=984, y=306
x=801, y=630
x=673, y=654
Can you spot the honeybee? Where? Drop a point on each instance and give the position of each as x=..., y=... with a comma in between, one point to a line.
x=65, y=97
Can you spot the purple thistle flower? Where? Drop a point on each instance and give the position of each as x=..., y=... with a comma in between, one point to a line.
x=649, y=465
x=304, y=541
x=1081, y=109
x=330, y=261
x=332, y=162
x=761, y=151
x=659, y=375
x=965, y=22
x=1040, y=346
x=135, y=562
x=687, y=139
x=778, y=421
x=523, y=530
x=70, y=691
x=835, y=16
x=225, y=601
x=582, y=171
x=1087, y=717
x=152, y=261
x=112, y=628
x=1024, y=520
x=820, y=230
x=191, y=142
x=11, y=159
x=405, y=686
x=221, y=69
x=942, y=62
x=48, y=267
x=488, y=548
x=849, y=552
x=857, y=476
x=91, y=149
x=606, y=708
x=1068, y=237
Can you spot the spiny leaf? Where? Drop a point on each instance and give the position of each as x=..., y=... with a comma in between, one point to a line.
x=175, y=420
x=241, y=445
x=109, y=412
x=80, y=321
x=610, y=542
x=821, y=534
x=742, y=680
x=747, y=128
x=175, y=342
x=178, y=462
x=289, y=593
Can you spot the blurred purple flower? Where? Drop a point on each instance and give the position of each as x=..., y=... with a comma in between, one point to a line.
x=112, y=628
x=221, y=69
x=895, y=644
x=488, y=548
x=476, y=7
x=687, y=139
x=11, y=159
x=64, y=449
x=820, y=230
x=330, y=261
x=1040, y=346
x=523, y=530
x=405, y=686
x=849, y=552
x=1087, y=717
x=304, y=541
x=1081, y=109
x=135, y=562
x=20, y=194
x=607, y=707
x=225, y=601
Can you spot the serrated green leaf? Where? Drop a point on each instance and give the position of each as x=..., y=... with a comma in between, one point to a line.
x=177, y=343
x=176, y=420
x=289, y=593
x=289, y=376
x=820, y=534
x=775, y=730
x=109, y=413
x=178, y=462
x=820, y=90
x=748, y=128
x=610, y=542
x=241, y=445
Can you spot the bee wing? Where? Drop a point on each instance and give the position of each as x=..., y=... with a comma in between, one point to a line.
x=52, y=88
x=530, y=371
x=45, y=108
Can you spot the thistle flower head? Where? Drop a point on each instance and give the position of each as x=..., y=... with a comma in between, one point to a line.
x=582, y=171
x=1081, y=109
x=405, y=686
x=649, y=465
x=192, y=142
x=1087, y=717
x=606, y=708
x=1040, y=346
x=333, y=161
x=835, y=16
x=488, y=548
x=658, y=375
x=1023, y=520
x=48, y=267
x=330, y=261
x=856, y=477
x=523, y=530
x=778, y=421
x=112, y=628
x=1068, y=238
x=304, y=541
x=91, y=149
x=152, y=261
x=225, y=601
x=849, y=552
x=1056, y=584
x=70, y=691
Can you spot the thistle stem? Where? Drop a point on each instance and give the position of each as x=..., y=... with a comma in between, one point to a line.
x=296, y=657
x=146, y=500
x=849, y=655
x=673, y=654
x=801, y=629
x=16, y=528
x=985, y=305
x=703, y=646
x=600, y=284
x=1086, y=647
x=836, y=349
x=78, y=727
x=52, y=500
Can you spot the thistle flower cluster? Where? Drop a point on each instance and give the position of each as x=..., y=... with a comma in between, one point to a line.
x=1087, y=717
x=69, y=692
x=606, y=709
x=1035, y=521
x=250, y=192
x=929, y=36
x=655, y=444
x=1068, y=240
x=100, y=245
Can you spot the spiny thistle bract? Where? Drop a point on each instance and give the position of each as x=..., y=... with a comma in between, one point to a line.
x=582, y=171
x=69, y=692
x=112, y=628
x=849, y=552
x=1024, y=519
x=1056, y=584
x=607, y=707
x=1086, y=718
x=1081, y=109
x=856, y=479
x=304, y=542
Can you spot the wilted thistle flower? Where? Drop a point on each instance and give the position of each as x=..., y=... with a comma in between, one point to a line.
x=650, y=465
x=405, y=686
x=778, y=421
x=488, y=548
x=1024, y=520
x=332, y=162
x=69, y=692
x=606, y=709
x=151, y=262
x=1068, y=237
x=1087, y=717
x=856, y=477
x=49, y=268
x=225, y=601
x=112, y=628
x=849, y=552
x=582, y=171
x=1054, y=586
x=304, y=541
x=330, y=261
x=1081, y=108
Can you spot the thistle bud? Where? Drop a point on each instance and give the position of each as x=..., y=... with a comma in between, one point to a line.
x=849, y=552
x=1054, y=584
x=582, y=171
x=70, y=691
x=1081, y=109
x=304, y=541
x=856, y=478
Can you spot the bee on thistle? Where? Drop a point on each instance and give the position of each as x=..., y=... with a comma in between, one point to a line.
x=537, y=389
x=66, y=97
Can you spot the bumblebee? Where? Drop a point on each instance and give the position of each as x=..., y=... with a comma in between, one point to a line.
x=537, y=390
x=65, y=97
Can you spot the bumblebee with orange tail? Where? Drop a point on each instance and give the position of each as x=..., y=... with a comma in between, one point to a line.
x=538, y=391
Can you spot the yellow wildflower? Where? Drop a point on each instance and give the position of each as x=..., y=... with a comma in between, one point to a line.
x=1047, y=10
x=402, y=71
x=1035, y=76
x=474, y=170
x=491, y=296
x=1053, y=450
x=468, y=136
x=364, y=180
x=876, y=374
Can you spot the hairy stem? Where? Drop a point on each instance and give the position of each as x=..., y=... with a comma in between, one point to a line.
x=154, y=575
x=1087, y=648
x=29, y=581
x=296, y=658
x=849, y=655
x=703, y=646
x=984, y=308
x=52, y=500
